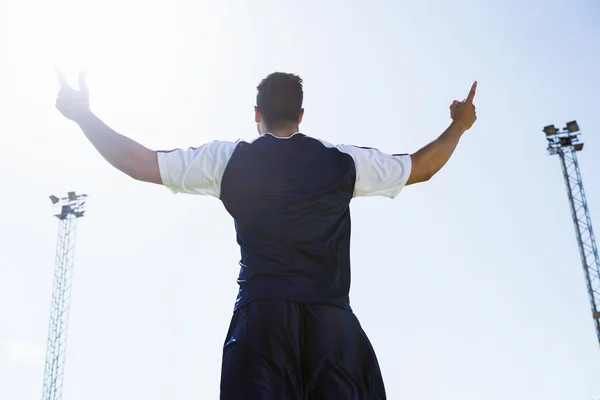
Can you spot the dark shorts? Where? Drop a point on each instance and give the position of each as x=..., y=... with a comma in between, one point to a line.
x=281, y=350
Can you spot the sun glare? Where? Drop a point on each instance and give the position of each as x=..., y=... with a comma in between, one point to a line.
x=117, y=38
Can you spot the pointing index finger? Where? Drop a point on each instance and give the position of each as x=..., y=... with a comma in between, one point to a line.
x=61, y=78
x=82, y=84
x=471, y=95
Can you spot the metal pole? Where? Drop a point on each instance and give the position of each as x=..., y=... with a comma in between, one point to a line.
x=71, y=211
x=566, y=144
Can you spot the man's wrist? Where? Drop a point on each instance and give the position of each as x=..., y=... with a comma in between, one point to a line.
x=84, y=117
x=457, y=127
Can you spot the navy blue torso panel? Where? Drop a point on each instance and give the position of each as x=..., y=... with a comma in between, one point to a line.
x=290, y=201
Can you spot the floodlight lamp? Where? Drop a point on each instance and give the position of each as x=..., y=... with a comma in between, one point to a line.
x=72, y=196
x=54, y=199
x=565, y=141
x=572, y=127
x=550, y=130
x=578, y=147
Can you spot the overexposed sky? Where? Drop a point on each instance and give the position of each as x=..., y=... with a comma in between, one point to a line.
x=469, y=286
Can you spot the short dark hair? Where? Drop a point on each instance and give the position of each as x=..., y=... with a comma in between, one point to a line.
x=279, y=99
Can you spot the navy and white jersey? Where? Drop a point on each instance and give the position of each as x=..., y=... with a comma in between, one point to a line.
x=289, y=198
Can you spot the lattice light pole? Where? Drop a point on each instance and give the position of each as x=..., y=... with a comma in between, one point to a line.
x=71, y=209
x=566, y=144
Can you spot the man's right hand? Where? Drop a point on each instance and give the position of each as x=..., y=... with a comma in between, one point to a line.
x=73, y=104
x=430, y=159
x=463, y=112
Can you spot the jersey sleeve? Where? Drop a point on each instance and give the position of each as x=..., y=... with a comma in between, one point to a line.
x=196, y=170
x=378, y=173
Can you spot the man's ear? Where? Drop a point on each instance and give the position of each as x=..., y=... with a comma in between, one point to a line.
x=257, y=115
x=301, y=115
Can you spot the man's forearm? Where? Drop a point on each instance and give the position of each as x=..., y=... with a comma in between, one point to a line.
x=431, y=158
x=121, y=152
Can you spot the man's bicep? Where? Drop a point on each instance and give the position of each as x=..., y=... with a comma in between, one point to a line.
x=420, y=171
x=196, y=170
x=144, y=166
x=378, y=173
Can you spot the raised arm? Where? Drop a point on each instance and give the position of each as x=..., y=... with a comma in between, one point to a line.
x=121, y=152
x=196, y=170
x=430, y=159
x=381, y=174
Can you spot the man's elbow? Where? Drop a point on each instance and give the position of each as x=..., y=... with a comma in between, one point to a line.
x=427, y=176
x=130, y=168
x=135, y=174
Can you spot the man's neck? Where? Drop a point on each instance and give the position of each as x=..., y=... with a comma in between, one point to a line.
x=284, y=132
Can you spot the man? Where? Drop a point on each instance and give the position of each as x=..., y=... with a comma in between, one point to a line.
x=293, y=334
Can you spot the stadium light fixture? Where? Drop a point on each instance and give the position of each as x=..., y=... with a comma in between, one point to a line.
x=565, y=141
x=550, y=130
x=572, y=127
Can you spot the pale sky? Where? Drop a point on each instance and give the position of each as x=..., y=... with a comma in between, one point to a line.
x=469, y=286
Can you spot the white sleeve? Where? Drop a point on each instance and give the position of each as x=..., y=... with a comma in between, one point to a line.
x=378, y=173
x=195, y=170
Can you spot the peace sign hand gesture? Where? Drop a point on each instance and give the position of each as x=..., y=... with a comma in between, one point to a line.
x=463, y=112
x=72, y=103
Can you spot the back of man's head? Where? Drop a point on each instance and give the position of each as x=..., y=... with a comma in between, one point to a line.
x=279, y=100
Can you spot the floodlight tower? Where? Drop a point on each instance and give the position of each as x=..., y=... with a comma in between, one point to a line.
x=566, y=144
x=72, y=208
